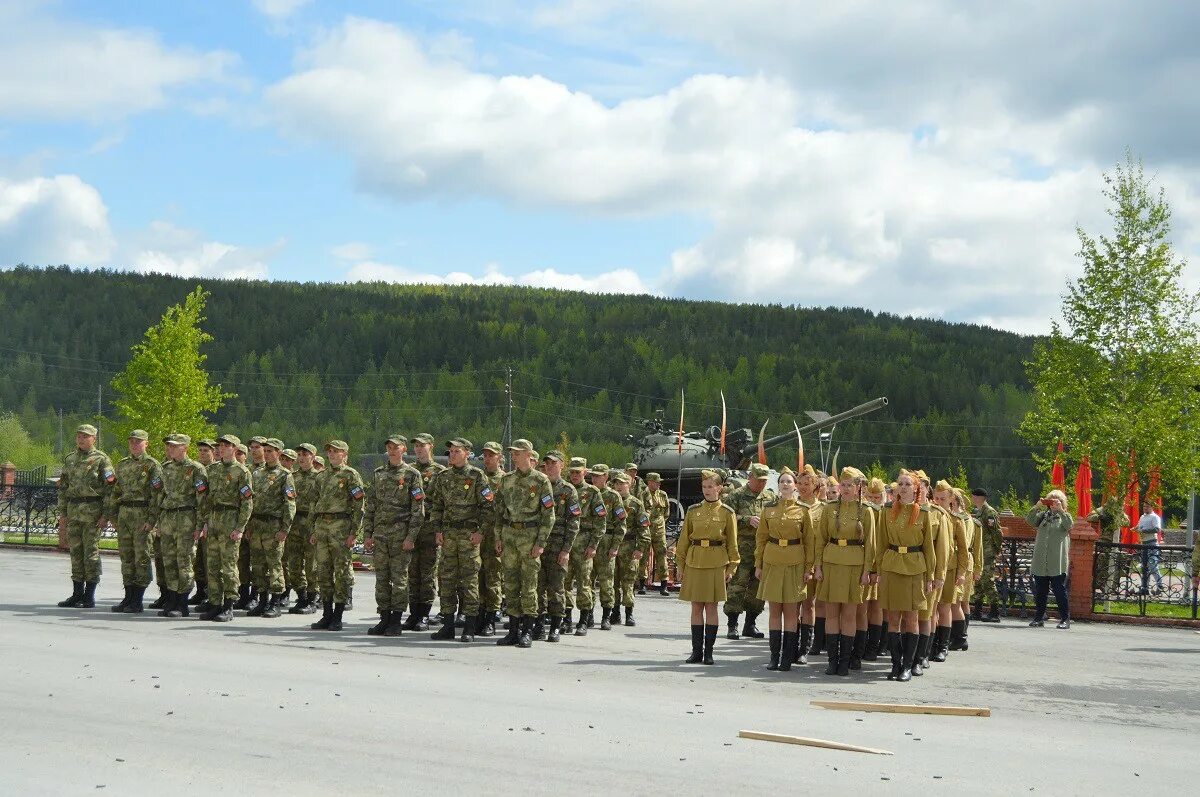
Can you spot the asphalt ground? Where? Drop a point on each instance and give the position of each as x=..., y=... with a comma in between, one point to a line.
x=101, y=703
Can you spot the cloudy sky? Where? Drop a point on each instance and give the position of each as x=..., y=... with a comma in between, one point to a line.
x=930, y=157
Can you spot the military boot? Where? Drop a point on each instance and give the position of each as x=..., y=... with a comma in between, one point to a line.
x=787, y=653
x=385, y=619
x=582, y=626
x=423, y=610
x=993, y=614
x=710, y=640
x=845, y=652
x=168, y=602
x=553, y=635
x=942, y=634
x=641, y=587
x=917, y=666
x=896, y=648
x=750, y=629
x=311, y=602
x=469, y=625
x=629, y=621
x=775, y=642
x=525, y=640
x=732, y=626
x=884, y=645
x=413, y=617
x=178, y=605
x=977, y=609
x=514, y=627
x=120, y=607
x=272, y=611
x=697, y=645
x=395, y=626
x=161, y=600
x=200, y=597
x=962, y=637
x=88, y=599
x=805, y=643
x=616, y=616
x=447, y=629
x=326, y=617
x=566, y=624
x=285, y=599
x=243, y=598
x=591, y=618
x=225, y=614
x=908, y=656
x=135, y=601
x=871, y=648
x=956, y=635
x=662, y=589
x=213, y=610
x=258, y=604
x=835, y=641
x=605, y=618
x=818, y=643
x=858, y=650
x=335, y=624
x=487, y=625
x=538, y=630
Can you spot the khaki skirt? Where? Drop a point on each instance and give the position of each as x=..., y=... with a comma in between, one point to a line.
x=871, y=593
x=951, y=592
x=969, y=588
x=841, y=584
x=901, y=593
x=703, y=585
x=782, y=584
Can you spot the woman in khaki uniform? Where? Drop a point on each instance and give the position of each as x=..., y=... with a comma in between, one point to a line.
x=844, y=566
x=871, y=612
x=783, y=555
x=942, y=541
x=959, y=559
x=962, y=621
x=808, y=488
x=707, y=555
x=905, y=560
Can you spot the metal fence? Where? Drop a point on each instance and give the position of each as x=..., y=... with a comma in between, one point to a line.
x=29, y=514
x=1014, y=581
x=1144, y=580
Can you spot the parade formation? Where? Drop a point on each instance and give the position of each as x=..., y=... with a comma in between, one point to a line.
x=844, y=565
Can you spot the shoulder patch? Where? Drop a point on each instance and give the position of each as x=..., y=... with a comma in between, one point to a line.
x=574, y=510
x=619, y=513
x=644, y=519
x=156, y=483
x=246, y=491
x=487, y=493
x=289, y=491
x=109, y=476
x=200, y=484
x=357, y=493
x=547, y=500
x=601, y=509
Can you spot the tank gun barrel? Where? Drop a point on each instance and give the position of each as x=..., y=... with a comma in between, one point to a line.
x=771, y=442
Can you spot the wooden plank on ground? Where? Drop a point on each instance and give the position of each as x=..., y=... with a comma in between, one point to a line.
x=808, y=742
x=903, y=708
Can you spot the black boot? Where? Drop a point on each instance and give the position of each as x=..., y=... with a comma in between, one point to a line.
x=487, y=625
x=858, y=650
x=732, y=620
x=629, y=621
x=120, y=607
x=161, y=600
x=896, y=648
x=775, y=642
x=258, y=604
x=697, y=645
x=605, y=618
x=135, y=601
x=789, y=652
x=641, y=587
x=226, y=612
x=616, y=615
x=710, y=639
x=335, y=624
x=662, y=589
x=977, y=610
x=285, y=600
x=168, y=602
x=326, y=617
x=845, y=654
x=385, y=619
x=525, y=640
x=213, y=610
x=941, y=638
x=566, y=624
x=884, y=645
x=835, y=641
x=243, y=598
x=254, y=603
x=200, y=597
x=908, y=656
x=395, y=625
x=993, y=614
x=591, y=618
x=818, y=643
x=871, y=649
x=514, y=627
x=585, y=622
x=422, y=611
x=447, y=629
x=470, y=625
x=918, y=663
x=963, y=637
x=553, y=636
x=538, y=630
x=303, y=601
x=924, y=650
x=957, y=635
x=806, y=632
x=272, y=610
x=88, y=599
x=414, y=610
x=749, y=629
x=179, y=607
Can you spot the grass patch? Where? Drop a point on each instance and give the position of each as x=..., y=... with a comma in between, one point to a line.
x=1131, y=609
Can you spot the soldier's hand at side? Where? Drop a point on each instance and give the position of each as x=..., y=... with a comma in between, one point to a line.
x=754, y=521
x=437, y=538
x=758, y=572
x=589, y=553
x=728, y=575
x=281, y=536
x=100, y=523
x=353, y=538
x=145, y=527
x=477, y=539
x=369, y=544
x=563, y=558
x=817, y=574
x=312, y=540
x=958, y=582
x=938, y=583
x=874, y=578
x=408, y=545
x=978, y=576
x=612, y=554
x=536, y=553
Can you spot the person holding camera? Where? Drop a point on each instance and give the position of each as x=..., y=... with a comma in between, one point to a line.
x=1051, y=551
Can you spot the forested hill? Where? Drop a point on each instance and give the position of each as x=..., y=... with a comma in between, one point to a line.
x=314, y=361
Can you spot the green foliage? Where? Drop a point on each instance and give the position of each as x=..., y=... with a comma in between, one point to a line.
x=1011, y=501
x=18, y=447
x=876, y=471
x=165, y=388
x=1119, y=377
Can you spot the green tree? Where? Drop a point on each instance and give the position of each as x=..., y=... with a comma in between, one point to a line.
x=18, y=447
x=165, y=387
x=1118, y=375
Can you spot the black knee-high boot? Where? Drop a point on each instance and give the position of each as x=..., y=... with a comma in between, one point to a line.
x=806, y=634
x=908, y=657
x=896, y=649
x=697, y=645
x=818, y=643
x=710, y=639
x=791, y=643
x=858, y=650
x=775, y=642
x=871, y=652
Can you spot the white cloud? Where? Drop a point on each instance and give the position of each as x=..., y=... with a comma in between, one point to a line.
x=168, y=249
x=279, y=9
x=53, y=220
x=56, y=69
x=616, y=281
x=353, y=250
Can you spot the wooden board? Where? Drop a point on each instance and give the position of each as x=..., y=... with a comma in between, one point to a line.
x=904, y=708
x=808, y=742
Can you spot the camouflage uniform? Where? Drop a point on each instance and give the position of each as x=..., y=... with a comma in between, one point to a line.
x=338, y=517
x=184, y=509
x=491, y=571
x=274, y=510
x=135, y=508
x=743, y=587
x=200, y=565
x=300, y=549
x=635, y=538
x=989, y=519
x=658, y=506
x=605, y=565
x=593, y=513
x=84, y=493
x=395, y=514
x=460, y=505
x=1112, y=518
x=525, y=516
x=423, y=566
x=230, y=502
x=552, y=576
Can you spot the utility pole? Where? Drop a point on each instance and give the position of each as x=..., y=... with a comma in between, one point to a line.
x=508, y=400
x=99, y=414
x=60, y=432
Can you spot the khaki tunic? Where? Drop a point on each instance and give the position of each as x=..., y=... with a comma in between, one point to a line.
x=843, y=562
x=905, y=557
x=784, y=551
x=707, y=549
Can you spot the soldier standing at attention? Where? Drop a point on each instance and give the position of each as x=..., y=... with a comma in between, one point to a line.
x=231, y=501
x=206, y=454
x=783, y=555
x=807, y=485
x=423, y=566
x=708, y=556
x=905, y=562
x=338, y=519
x=943, y=549
x=629, y=552
x=287, y=460
x=525, y=517
x=989, y=519
x=556, y=556
x=460, y=510
x=135, y=508
x=84, y=493
x=300, y=551
x=395, y=513
x=592, y=516
x=958, y=628
x=604, y=565
x=274, y=510
x=876, y=643
x=241, y=454
x=747, y=503
x=183, y=513
x=659, y=507
x=491, y=573
x=246, y=596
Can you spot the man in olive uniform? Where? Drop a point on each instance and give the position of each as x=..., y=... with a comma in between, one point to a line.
x=287, y=460
x=338, y=519
x=206, y=454
x=274, y=511
x=246, y=594
x=182, y=515
x=423, y=564
x=525, y=517
x=395, y=514
x=135, y=508
x=84, y=495
x=230, y=504
x=557, y=555
x=460, y=511
x=629, y=550
x=659, y=508
x=989, y=519
x=491, y=571
x=605, y=563
x=300, y=550
x=241, y=454
x=747, y=503
x=593, y=515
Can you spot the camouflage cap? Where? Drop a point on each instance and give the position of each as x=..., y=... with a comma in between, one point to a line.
x=309, y=447
x=653, y=477
x=289, y=453
x=258, y=439
x=337, y=445
x=423, y=437
x=619, y=476
x=175, y=439
x=85, y=428
x=599, y=469
x=320, y=460
x=493, y=446
x=398, y=439
x=274, y=442
x=241, y=447
x=759, y=470
x=631, y=466
x=460, y=442
x=558, y=456
x=521, y=444
x=208, y=441
x=536, y=456
x=139, y=434
x=232, y=439
x=578, y=463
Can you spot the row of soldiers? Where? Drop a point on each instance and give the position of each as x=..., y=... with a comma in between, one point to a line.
x=283, y=522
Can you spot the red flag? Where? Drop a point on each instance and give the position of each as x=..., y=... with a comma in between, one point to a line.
x=1083, y=487
x=723, y=420
x=680, y=422
x=1058, y=474
x=1112, y=478
x=1129, y=535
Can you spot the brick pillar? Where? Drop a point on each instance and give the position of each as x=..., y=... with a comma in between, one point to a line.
x=8, y=477
x=1082, y=568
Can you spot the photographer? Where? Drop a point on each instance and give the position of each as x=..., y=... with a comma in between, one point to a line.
x=1051, y=551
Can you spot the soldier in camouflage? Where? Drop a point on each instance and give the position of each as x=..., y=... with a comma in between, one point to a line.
x=395, y=515
x=605, y=563
x=135, y=507
x=629, y=550
x=183, y=513
x=639, y=490
x=247, y=599
x=287, y=460
x=300, y=551
x=747, y=503
x=525, y=517
x=84, y=496
x=423, y=565
x=274, y=510
x=659, y=507
x=460, y=512
x=556, y=557
x=230, y=503
x=206, y=454
x=989, y=519
x=491, y=570
x=592, y=516
x=339, y=518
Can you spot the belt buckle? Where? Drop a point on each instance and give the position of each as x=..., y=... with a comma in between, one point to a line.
x=902, y=549
x=842, y=543
x=704, y=543
x=784, y=543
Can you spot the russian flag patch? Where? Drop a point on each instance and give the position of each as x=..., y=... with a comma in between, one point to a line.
x=574, y=510
x=547, y=501
x=246, y=491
